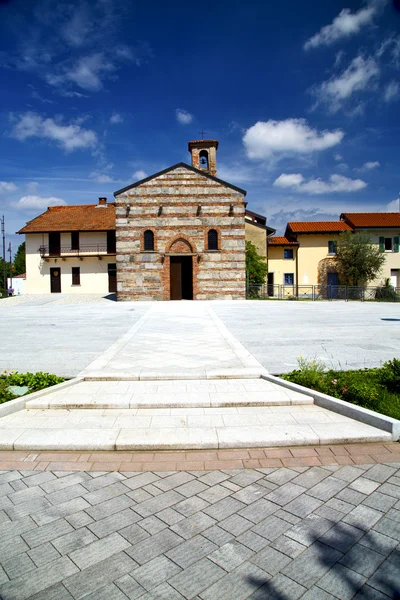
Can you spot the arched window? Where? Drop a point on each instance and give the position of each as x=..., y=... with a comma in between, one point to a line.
x=203, y=159
x=148, y=240
x=212, y=240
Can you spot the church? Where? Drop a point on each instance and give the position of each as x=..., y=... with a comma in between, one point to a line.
x=179, y=234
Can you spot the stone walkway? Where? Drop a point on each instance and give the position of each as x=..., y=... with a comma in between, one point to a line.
x=281, y=533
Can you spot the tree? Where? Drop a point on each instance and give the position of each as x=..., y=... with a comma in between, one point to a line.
x=19, y=260
x=358, y=260
x=3, y=292
x=256, y=268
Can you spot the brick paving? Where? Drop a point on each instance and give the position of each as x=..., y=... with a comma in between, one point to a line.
x=279, y=523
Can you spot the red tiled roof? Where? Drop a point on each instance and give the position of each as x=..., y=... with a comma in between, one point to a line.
x=82, y=217
x=373, y=219
x=318, y=226
x=281, y=241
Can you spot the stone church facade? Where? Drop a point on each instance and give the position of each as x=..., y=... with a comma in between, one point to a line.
x=180, y=233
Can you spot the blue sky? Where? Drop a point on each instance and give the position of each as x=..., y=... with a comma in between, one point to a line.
x=303, y=97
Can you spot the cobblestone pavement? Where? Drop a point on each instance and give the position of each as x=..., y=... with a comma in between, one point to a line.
x=279, y=533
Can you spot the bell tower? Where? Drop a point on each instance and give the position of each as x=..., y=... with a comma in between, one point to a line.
x=204, y=155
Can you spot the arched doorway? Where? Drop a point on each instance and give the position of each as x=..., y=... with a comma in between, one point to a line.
x=181, y=270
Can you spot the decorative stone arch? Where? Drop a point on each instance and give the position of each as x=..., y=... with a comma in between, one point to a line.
x=181, y=244
x=154, y=231
x=325, y=266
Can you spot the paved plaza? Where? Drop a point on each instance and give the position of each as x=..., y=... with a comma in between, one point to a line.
x=322, y=532
x=64, y=335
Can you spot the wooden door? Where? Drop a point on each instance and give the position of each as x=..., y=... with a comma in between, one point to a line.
x=112, y=278
x=55, y=281
x=54, y=243
x=176, y=278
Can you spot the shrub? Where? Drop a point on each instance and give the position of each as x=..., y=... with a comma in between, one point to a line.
x=34, y=381
x=386, y=292
x=389, y=375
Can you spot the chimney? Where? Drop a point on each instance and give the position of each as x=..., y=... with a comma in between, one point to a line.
x=102, y=201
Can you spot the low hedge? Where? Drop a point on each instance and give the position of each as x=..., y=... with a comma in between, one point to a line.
x=33, y=381
x=377, y=389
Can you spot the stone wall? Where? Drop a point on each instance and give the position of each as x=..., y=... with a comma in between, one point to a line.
x=169, y=205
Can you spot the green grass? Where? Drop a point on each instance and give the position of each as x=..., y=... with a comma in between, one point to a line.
x=377, y=389
x=34, y=381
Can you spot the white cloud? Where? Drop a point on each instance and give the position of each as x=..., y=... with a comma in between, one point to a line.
x=344, y=25
x=69, y=137
x=336, y=183
x=37, y=202
x=292, y=136
x=392, y=91
x=338, y=156
x=86, y=73
x=369, y=166
x=393, y=206
x=359, y=76
x=138, y=175
x=99, y=177
x=7, y=186
x=115, y=119
x=183, y=116
x=32, y=187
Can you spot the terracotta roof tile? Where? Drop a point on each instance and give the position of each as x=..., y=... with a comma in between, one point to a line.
x=281, y=241
x=82, y=217
x=373, y=219
x=318, y=226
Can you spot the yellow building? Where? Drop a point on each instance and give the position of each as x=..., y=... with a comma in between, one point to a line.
x=304, y=255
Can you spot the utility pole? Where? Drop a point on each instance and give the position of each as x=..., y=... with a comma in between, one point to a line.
x=3, y=232
x=10, y=251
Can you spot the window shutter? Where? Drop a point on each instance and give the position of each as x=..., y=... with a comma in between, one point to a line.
x=396, y=243
x=381, y=244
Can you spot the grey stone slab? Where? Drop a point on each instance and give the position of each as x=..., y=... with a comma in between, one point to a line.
x=303, y=505
x=17, y=565
x=379, y=542
x=196, y=578
x=193, y=525
x=379, y=501
x=272, y=527
x=386, y=577
x=130, y=587
x=170, y=516
x=73, y=541
x=61, y=510
x=191, y=488
x=63, y=495
x=44, y=554
x=285, y=494
x=369, y=593
x=99, y=550
x=390, y=489
x=246, y=477
x=380, y=473
x=46, y=533
x=152, y=524
x=271, y=560
x=235, y=524
x=394, y=515
x=259, y=510
x=316, y=593
x=224, y=508
x=79, y=519
x=55, y=592
x=109, y=507
x=134, y=533
x=26, y=495
x=310, y=529
x=326, y=489
x=97, y=576
x=152, y=490
x=139, y=495
x=278, y=588
x=106, y=493
x=349, y=473
x=113, y=522
x=231, y=555
x=150, y=507
x=3, y=576
x=389, y=528
x=329, y=513
x=363, y=517
x=340, y=505
x=252, y=540
x=281, y=476
x=363, y=485
x=312, y=564
x=250, y=493
x=28, y=508
x=40, y=478
x=12, y=528
x=237, y=585
x=11, y=546
x=341, y=537
x=341, y=582
x=351, y=496
x=213, y=478
x=37, y=580
x=288, y=546
x=215, y=493
x=61, y=483
x=4, y=518
x=162, y=592
x=363, y=560
x=155, y=572
x=108, y=592
x=287, y=516
x=217, y=535
x=191, y=505
x=191, y=551
x=173, y=481
x=103, y=480
x=311, y=477
x=148, y=549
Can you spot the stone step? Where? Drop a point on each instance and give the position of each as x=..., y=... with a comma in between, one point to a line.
x=169, y=394
x=177, y=429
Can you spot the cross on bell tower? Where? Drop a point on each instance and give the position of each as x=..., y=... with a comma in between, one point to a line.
x=204, y=154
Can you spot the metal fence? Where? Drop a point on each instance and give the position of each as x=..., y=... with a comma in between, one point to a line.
x=323, y=292
x=85, y=250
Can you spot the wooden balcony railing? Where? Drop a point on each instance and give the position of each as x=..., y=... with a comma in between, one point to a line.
x=83, y=250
